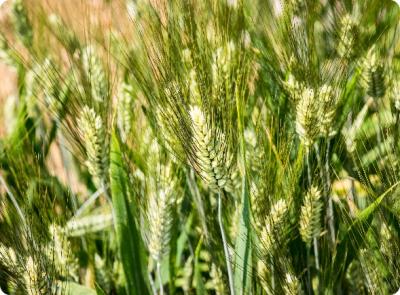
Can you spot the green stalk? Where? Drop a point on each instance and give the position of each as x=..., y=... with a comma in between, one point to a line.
x=160, y=278
x=225, y=245
x=331, y=220
x=315, y=242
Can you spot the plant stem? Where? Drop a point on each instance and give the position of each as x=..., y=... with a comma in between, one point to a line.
x=194, y=190
x=331, y=220
x=152, y=285
x=225, y=245
x=159, y=278
x=315, y=242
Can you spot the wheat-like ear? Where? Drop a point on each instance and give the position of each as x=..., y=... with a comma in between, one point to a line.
x=103, y=275
x=271, y=232
x=310, y=223
x=32, y=277
x=162, y=201
x=95, y=73
x=374, y=74
x=308, y=116
x=216, y=281
x=348, y=36
x=370, y=265
x=89, y=224
x=270, y=240
x=210, y=152
x=328, y=109
x=292, y=284
x=22, y=23
x=7, y=55
x=60, y=251
x=93, y=135
x=125, y=110
x=160, y=219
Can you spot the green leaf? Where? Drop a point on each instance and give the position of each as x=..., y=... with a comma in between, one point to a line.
x=99, y=290
x=129, y=240
x=355, y=235
x=363, y=215
x=242, y=270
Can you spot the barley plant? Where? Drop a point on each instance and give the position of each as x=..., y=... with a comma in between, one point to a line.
x=199, y=147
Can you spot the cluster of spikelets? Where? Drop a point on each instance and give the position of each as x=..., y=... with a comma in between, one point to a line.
x=315, y=112
x=161, y=204
x=374, y=75
x=310, y=218
x=211, y=152
x=93, y=133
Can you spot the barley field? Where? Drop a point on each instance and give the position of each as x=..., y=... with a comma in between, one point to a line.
x=238, y=147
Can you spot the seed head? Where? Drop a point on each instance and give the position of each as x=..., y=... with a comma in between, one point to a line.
x=348, y=36
x=22, y=23
x=272, y=231
x=310, y=216
x=94, y=137
x=60, y=250
x=125, y=110
x=216, y=281
x=95, y=73
x=210, y=152
x=160, y=222
x=374, y=75
x=292, y=284
x=308, y=116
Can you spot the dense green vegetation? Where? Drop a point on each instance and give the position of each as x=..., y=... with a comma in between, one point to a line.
x=201, y=147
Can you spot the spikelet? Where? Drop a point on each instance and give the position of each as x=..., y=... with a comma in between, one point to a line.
x=216, y=281
x=386, y=241
x=96, y=74
x=6, y=53
x=125, y=110
x=102, y=274
x=60, y=250
x=93, y=136
x=210, y=152
x=396, y=96
x=8, y=256
x=355, y=278
x=22, y=23
x=64, y=33
x=88, y=224
x=293, y=87
x=348, y=36
x=162, y=200
x=263, y=272
x=310, y=216
x=271, y=232
x=374, y=75
x=32, y=277
x=292, y=284
x=187, y=56
x=328, y=102
x=374, y=277
x=308, y=113
x=160, y=219
x=184, y=275
x=270, y=239
x=222, y=63
x=194, y=89
x=256, y=210
x=294, y=6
